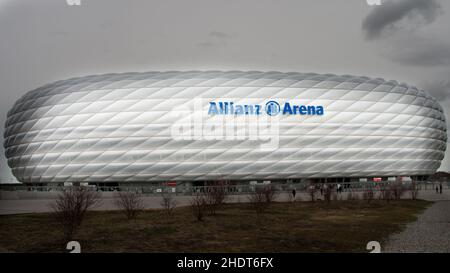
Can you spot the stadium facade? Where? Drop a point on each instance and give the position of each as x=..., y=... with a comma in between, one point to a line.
x=171, y=126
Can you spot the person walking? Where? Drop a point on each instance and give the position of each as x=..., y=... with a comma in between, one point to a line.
x=293, y=194
x=440, y=188
x=437, y=189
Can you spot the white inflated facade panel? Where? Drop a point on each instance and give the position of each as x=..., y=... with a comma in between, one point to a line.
x=117, y=127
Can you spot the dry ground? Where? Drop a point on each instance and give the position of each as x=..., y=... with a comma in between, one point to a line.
x=342, y=226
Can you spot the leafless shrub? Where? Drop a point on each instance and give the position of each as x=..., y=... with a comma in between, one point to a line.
x=385, y=193
x=168, y=203
x=397, y=190
x=270, y=194
x=70, y=207
x=414, y=189
x=209, y=204
x=258, y=200
x=327, y=190
x=368, y=194
x=130, y=203
x=312, y=190
x=215, y=196
x=198, y=206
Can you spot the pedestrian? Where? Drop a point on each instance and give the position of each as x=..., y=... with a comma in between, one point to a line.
x=440, y=188
x=293, y=194
x=437, y=189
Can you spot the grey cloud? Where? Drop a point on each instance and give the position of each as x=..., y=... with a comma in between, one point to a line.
x=439, y=89
x=218, y=39
x=205, y=44
x=416, y=52
x=219, y=34
x=212, y=44
x=389, y=15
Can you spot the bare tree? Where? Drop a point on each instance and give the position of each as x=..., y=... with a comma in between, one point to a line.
x=221, y=193
x=312, y=190
x=209, y=200
x=70, y=207
x=130, y=203
x=215, y=196
x=397, y=190
x=270, y=193
x=327, y=190
x=168, y=203
x=258, y=199
x=414, y=189
x=385, y=193
x=198, y=206
x=368, y=194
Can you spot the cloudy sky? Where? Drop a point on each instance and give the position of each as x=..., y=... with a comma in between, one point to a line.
x=46, y=40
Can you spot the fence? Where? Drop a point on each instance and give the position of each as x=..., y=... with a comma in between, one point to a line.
x=234, y=189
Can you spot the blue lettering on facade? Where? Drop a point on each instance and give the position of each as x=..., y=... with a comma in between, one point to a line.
x=272, y=108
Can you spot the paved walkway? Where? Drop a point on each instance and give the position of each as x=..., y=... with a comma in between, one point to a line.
x=430, y=233
x=35, y=202
x=107, y=202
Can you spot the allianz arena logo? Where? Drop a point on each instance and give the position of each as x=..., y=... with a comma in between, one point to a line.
x=236, y=120
x=271, y=108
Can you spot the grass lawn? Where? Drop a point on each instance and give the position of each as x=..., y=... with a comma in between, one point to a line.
x=342, y=226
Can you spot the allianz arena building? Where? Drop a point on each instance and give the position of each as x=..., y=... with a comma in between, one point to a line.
x=174, y=126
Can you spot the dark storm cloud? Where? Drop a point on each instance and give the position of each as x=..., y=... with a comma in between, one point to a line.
x=390, y=14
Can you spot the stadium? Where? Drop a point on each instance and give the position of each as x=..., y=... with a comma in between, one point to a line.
x=160, y=127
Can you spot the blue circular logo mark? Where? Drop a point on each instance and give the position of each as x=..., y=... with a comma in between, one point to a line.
x=272, y=108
